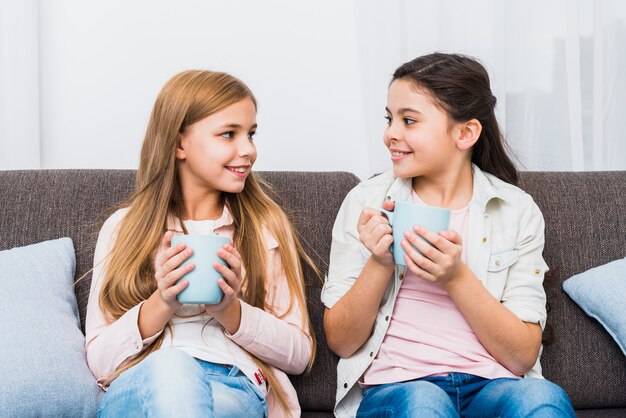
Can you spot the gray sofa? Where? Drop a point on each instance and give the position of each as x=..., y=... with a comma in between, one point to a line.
x=585, y=217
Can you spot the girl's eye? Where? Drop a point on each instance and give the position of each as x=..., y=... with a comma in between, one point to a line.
x=388, y=119
x=251, y=135
x=409, y=121
x=228, y=135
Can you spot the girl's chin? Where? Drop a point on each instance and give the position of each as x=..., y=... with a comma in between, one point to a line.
x=403, y=173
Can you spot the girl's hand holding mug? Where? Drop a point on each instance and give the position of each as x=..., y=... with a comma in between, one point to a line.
x=167, y=272
x=437, y=263
x=375, y=233
x=230, y=283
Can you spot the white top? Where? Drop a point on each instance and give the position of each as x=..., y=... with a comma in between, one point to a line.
x=277, y=338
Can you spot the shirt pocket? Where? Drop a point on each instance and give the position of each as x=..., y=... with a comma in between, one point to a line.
x=498, y=270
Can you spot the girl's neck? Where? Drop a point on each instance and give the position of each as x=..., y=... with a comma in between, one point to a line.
x=451, y=189
x=203, y=206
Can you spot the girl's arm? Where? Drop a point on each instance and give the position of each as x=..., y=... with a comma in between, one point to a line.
x=512, y=342
x=510, y=329
x=108, y=344
x=277, y=338
x=350, y=321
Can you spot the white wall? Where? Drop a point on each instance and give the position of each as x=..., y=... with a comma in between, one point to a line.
x=103, y=63
x=78, y=78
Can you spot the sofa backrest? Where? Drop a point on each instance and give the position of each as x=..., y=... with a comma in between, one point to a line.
x=585, y=217
x=38, y=205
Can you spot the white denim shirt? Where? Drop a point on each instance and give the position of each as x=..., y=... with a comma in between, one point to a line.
x=504, y=250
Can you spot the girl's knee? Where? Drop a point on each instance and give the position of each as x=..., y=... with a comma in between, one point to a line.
x=542, y=395
x=541, y=390
x=168, y=367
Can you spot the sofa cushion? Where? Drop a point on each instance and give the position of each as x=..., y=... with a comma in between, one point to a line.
x=600, y=292
x=43, y=366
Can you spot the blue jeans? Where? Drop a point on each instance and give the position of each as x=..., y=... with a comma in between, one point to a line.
x=465, y=395
x=171, y=383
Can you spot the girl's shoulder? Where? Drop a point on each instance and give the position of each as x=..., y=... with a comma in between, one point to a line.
x=495, y=186
x=512, y=197
x=373, y=189
x=113, y=221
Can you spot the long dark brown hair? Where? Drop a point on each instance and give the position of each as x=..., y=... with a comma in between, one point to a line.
x=460, y=86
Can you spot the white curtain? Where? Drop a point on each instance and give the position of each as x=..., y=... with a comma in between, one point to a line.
x=19, y=85
x=558, y=69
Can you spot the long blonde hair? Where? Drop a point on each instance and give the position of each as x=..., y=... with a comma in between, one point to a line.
x=186, y=99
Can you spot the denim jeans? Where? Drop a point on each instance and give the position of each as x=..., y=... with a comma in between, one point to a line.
x=171, y=383
x=465, y=395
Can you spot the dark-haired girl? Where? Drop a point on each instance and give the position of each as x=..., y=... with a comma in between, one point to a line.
x=457, y=332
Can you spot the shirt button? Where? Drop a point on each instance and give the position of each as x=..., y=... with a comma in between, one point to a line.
x=345, y=385
x=401, y=276
x=387, y=318
x=371, y=354
x=537, y=272
x=484, y=240
x=497, y=262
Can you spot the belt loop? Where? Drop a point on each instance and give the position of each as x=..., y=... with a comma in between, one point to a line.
x=234, y=371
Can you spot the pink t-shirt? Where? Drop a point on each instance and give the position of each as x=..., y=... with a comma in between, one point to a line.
x=428, y=335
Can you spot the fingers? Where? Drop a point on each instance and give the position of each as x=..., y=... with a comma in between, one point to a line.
x=231, y=273
x=437, y=261
x=427, y=256
x=166, y=242
x=414, y=242
x=229, y=292
x=366, y=215
x=389, y=204
x=168, y=286
x=230, y=254
x=377, y=224
x=452, y=236
x=436, y=240
x=174, y=257
x=231, y=278
x=417, y=270
x=383, y=244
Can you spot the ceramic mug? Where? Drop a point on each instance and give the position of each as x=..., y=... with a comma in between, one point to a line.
x=407, y=214
x=202, y=287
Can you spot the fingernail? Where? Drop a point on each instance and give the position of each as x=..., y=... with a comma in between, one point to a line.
x=407, y=234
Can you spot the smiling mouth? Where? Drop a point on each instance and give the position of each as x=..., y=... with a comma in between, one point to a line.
x=240, y=171
x=399, y=153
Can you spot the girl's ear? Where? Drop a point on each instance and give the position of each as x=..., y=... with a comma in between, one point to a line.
x=180, y=151
x=469, y=134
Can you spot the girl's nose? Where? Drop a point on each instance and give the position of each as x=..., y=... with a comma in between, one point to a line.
x=245, y=146
x=391, y=132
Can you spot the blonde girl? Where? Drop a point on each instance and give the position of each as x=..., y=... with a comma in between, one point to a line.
x=452, y=333
x=155, y=356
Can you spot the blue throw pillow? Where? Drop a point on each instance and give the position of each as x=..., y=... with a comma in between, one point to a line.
x=601, y=293
x=43, y=367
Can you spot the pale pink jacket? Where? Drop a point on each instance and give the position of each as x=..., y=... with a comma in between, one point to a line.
x=282, y=343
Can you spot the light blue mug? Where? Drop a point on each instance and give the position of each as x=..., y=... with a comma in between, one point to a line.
x=202, y=287
x=406, y=215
